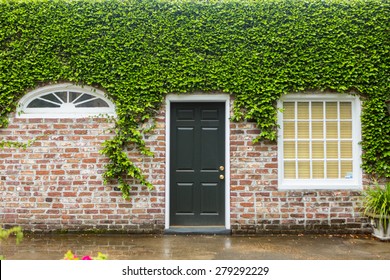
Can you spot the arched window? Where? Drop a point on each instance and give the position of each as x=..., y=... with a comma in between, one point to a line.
x=65, y=101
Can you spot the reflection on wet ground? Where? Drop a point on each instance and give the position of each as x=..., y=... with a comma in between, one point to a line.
x=198, y=247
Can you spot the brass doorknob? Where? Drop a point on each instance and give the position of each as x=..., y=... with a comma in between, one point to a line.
x=222, y=168
x=221, y=177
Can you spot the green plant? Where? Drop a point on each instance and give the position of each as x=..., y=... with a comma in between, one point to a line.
x=5, y=233
x=72, y=257
x=376, y=203
x=140, y=50
x=14, y=144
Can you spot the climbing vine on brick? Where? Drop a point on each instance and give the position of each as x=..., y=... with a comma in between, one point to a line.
x=140, y=50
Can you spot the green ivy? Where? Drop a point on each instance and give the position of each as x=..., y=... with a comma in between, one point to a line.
x=15, y=144
x=5, y=233
x=140, y=50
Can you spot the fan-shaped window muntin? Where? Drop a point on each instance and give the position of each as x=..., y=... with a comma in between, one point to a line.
x=65, y=100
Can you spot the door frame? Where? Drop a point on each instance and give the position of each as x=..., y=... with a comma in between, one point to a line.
x=192, y=98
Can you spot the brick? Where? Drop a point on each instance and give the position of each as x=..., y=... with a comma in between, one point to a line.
x=72, y=150
x=56, y=194
x=246, y=204
x=5, y=155
x=89, y=160
x=88, y=194
x=87, y=206
x=57, y=205
x=248, y=216
x=69, y=194
x=246, y=194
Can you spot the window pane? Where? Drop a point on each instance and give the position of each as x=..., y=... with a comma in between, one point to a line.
x=289, y=170
x=62, y=95
x=38, y=103
x=304, y=150
x=332, y=169
x=303, y=110
x=51, y=97
x=331, y=110
x=346, y=129
x=346, y=149
x=289, y=110
x=289, y=130
x=303, y=169
x=73, y=96
x=318, y=150
x=331, y=130
x=332, y=149
x=289, y=150
x=317, y=130
x=346, y=169
x=303, y=130
x=317, y=110
x=318, y=170
x=345, y=110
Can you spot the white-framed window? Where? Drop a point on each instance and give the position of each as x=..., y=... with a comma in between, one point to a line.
x=64, y=101
x=318, y=141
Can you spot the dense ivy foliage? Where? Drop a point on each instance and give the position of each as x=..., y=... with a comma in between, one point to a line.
x=140, y=50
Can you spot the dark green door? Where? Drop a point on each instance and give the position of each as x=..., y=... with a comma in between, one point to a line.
x=197, y=183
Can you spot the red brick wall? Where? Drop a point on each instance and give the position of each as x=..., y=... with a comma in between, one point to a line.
x=56, y=184
x=257, y=206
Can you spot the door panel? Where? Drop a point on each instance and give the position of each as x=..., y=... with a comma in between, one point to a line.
x=209, y=199
x=209, y=149
x=184, y=194
x=197, y=195
x=185, y=157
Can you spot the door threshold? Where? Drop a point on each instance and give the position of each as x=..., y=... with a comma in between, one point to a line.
x=207, y=230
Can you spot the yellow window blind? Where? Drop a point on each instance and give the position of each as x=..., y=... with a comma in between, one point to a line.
x=317, y=140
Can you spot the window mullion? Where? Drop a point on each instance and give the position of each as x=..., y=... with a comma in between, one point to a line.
x=338, y=138
x=58, y=98
x=85, y=101
x=296, y=138
x=324, y=140
x=77, y=98
x=49, y=101
x=310, y=141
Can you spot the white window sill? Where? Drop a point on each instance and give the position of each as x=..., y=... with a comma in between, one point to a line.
x=320, y=185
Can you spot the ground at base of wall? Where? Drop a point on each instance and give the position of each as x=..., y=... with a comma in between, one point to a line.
x=199, y=247
x=235, y=231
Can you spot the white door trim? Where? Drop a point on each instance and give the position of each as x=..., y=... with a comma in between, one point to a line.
x=223, y=98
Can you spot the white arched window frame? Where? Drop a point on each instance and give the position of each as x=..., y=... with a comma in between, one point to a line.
x=65, y=101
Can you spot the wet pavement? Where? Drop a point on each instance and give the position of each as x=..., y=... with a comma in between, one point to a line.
x=198, y=247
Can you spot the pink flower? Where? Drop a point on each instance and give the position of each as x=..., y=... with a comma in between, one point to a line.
x=87, y=258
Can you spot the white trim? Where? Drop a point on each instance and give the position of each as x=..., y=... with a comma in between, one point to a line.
x=223, y=98
x=24, y=112
x=331, y=184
